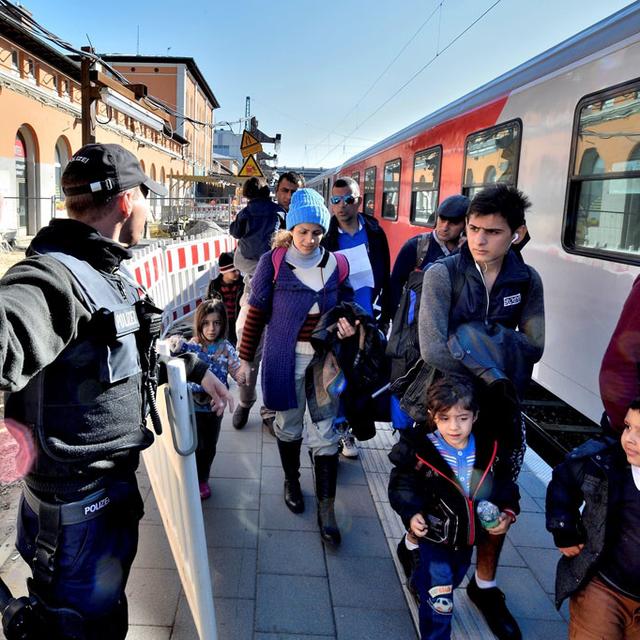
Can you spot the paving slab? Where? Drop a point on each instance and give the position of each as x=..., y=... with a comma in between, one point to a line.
x=274, y=514
x=231, y=528
x=233, y=572
x=291, y=552
x=233, y=493
x=293, y=604
x=373, y=580
x=153, y=595
x=373, y=624
x=234, y=620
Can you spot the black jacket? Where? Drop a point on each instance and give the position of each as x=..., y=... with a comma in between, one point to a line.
x=422, y=482
x=378, y=250
x=364, y=364
x=585, y=476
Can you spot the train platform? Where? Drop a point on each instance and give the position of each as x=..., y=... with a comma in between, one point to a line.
x=273, y=579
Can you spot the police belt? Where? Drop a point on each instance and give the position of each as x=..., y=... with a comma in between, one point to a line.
x=91, y=507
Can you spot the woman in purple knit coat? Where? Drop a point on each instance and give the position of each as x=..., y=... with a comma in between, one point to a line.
x=293, y=286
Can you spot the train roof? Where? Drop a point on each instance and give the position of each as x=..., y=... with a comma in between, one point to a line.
x=610, y=31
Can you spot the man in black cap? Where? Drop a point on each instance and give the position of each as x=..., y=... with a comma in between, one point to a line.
x=77, y=358
x=421, y=250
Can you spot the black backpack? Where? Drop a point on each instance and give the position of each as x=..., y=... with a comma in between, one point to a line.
x=403, y=346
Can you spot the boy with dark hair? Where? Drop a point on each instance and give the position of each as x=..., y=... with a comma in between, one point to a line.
x=600, y=567
x=444, y=471
x=487, y=288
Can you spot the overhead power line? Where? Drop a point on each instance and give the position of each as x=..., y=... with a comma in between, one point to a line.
x=411, y=79
x=375, y=82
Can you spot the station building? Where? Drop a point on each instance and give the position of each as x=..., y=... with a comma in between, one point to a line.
x=40, y=111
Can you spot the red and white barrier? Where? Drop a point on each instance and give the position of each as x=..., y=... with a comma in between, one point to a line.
x=177, y=273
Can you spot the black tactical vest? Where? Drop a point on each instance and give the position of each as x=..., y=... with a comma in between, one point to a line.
x=86, y=407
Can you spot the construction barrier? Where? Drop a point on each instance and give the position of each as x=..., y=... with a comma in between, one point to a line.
x=171, y=466
x=176, y=275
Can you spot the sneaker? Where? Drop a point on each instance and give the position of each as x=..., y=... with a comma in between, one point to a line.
x=205, y=491
x=240, y=417
x=348, y=447
x=267, y=425
x=492, y=605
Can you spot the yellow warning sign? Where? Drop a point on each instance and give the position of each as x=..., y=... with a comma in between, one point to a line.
x=249, y=144
x=250, y=168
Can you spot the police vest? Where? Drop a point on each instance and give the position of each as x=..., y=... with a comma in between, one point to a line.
x=87, y=405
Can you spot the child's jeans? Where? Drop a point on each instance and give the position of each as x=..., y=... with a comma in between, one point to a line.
x=440, y=571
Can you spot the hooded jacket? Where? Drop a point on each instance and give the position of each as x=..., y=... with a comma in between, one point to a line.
x=254, y=227
x=363, y=362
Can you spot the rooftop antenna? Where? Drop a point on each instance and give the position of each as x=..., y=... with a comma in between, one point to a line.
x=247, y=113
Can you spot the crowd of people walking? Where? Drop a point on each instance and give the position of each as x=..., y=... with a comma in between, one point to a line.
x=442, y=345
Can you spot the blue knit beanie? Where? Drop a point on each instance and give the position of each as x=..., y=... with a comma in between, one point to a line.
x=308, y=206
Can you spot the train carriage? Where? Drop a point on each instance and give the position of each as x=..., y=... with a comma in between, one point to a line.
x=565, y=128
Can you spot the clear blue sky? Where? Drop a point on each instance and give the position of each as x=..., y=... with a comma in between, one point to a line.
x=307, y=64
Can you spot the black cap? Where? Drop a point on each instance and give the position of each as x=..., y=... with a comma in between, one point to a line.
x=453, y=208
x=104, y=170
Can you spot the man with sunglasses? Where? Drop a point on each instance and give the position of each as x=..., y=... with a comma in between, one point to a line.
x=361, y=239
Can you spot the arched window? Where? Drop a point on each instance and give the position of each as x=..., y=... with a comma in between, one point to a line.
x=26, y=156
x=60, y=162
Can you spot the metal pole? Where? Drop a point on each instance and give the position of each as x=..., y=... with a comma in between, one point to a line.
x=88, y=124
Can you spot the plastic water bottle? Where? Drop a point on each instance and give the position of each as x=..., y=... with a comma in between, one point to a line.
x=488, y=514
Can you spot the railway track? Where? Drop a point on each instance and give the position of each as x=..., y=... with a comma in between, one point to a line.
x=553, y=427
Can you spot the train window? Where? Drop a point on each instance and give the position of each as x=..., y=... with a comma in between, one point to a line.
x=426, y=185
x=356, y=176
x=391, y=189
x=491, y=156
x=603, y=214
x=369, y=193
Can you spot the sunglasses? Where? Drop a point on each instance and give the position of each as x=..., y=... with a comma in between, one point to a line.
x=345, y=199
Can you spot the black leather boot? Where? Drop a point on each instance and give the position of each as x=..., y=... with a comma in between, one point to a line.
x=326, y=468
x=290, y=458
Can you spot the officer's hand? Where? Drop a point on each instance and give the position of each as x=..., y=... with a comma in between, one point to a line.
x=220, y=395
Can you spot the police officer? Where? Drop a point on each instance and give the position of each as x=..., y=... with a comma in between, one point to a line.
x=76, y=355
